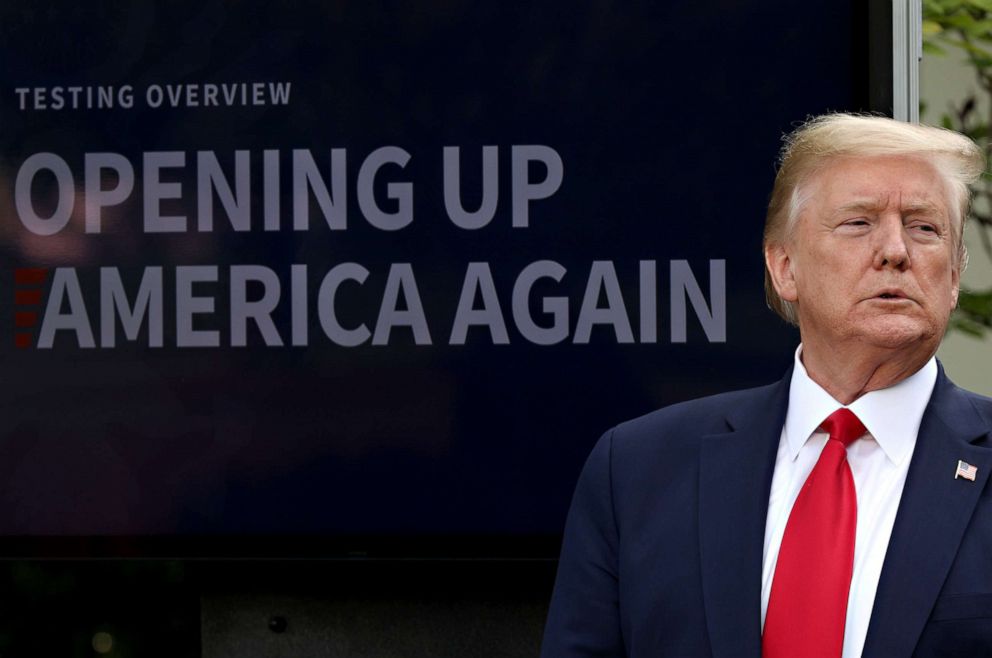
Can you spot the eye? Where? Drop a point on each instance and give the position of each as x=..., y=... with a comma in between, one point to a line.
x=855, y=224
x=925, y=228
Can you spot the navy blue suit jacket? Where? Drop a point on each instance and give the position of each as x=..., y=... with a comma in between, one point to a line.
x=663, y=543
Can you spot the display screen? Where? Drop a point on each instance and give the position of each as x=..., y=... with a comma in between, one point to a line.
x=372, y=278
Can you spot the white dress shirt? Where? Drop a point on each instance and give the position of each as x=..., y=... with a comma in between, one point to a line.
x=879, y=462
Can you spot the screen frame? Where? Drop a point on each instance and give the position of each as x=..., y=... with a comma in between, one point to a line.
x=872, y=86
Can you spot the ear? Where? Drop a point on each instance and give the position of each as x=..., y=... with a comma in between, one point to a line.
x=779, y=264
x=955, y=285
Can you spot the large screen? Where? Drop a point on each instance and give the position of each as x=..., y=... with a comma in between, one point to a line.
x=371, y=278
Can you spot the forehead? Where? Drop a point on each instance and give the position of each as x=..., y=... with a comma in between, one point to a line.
x=880, y=182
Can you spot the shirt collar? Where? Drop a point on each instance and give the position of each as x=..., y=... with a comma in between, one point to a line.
x=891, y=415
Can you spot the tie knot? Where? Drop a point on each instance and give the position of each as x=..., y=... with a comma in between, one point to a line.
x=844, y=426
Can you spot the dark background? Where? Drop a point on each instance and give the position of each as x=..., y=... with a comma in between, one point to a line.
x=668, y=117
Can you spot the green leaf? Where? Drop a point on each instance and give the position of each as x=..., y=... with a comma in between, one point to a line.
x=931, y=28
x=966, y=326
x=981, y=5
x=978, y=132
x=982, y=29
x=935, y=8
x=974, y=312
x=970, y=48
x=960, y=20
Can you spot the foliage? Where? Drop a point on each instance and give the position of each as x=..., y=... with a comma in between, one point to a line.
x=965, y=26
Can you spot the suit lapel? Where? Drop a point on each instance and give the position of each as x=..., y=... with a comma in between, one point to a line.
x=734, y=480
x=933, y=513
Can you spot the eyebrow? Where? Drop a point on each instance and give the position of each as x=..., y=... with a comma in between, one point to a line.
x=868, y=204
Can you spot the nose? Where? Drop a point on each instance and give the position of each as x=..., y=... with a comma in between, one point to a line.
x=890, y=248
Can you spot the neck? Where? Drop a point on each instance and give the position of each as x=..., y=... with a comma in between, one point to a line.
x=848, y=373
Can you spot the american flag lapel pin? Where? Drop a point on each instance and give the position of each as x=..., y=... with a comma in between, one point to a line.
x=966, y=471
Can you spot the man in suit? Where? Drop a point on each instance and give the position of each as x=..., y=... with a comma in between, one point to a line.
x=842, y=511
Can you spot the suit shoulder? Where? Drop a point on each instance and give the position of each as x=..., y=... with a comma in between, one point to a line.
x=981, y=403
x=707, y=415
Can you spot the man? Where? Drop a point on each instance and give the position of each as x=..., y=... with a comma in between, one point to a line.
x=844, y=510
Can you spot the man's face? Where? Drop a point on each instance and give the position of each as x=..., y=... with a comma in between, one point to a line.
x=872, y=258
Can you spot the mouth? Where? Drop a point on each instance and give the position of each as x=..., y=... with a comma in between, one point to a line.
x=892, y=295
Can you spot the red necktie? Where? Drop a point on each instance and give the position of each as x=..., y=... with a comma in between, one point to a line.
x=807, y=608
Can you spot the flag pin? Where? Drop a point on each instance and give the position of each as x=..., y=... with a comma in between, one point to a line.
x=966, y=471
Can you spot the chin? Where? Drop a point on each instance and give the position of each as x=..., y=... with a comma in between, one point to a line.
x=899, y=333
